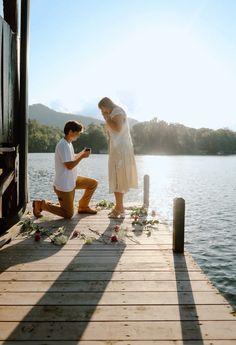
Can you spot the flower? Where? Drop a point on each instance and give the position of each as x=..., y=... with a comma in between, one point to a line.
x=114, y=238
x=60, y=240
x=117, y=227
x=88, y=240
x=136, y=218
x=61, y=230
x=37, y=236
x=76, y=233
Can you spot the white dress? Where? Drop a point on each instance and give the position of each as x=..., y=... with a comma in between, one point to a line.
x=122, y=165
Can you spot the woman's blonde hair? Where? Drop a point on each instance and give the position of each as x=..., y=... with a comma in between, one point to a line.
x=106, y=102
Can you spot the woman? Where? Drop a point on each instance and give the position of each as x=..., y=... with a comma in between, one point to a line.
x=122, y=166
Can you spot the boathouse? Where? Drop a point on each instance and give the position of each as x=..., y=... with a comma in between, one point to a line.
x=13, y=111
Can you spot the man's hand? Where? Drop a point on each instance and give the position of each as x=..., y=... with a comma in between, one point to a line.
x=83, y=154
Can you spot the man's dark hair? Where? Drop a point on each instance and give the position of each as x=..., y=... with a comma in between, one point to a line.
x=73, y=126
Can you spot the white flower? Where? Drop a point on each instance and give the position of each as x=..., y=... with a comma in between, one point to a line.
x=60, y=240
x=61, y=230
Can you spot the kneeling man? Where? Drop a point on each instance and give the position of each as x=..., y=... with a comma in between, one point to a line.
x=66, y=179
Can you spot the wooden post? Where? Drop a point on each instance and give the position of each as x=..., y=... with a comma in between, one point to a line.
x=146, y=191
x=178, y=225
x=23, y=130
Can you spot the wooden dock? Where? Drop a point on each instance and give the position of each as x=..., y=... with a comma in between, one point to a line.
x=131, y=292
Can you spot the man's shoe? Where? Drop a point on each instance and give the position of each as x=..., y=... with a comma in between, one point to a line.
x=87, y=210
x=37, y=208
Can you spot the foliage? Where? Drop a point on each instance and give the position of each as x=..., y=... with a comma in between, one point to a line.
x=44, y=139
x=160, y=137
x=29, y=228
x=138, y=211
x=104, y=204
x=149, y=137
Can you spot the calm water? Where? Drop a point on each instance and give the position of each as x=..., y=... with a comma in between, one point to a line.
x=208, y=185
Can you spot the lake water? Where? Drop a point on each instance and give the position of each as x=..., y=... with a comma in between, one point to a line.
x=208, y=185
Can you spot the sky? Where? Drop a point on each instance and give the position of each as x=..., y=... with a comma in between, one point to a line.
x=174, y=60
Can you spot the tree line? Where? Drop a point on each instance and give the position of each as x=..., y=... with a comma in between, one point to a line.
x=43, y=138
x=149, y=137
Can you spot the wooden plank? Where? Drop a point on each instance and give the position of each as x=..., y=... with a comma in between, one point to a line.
x=162, y=260
x=88, y=251
x=72, y=245
x=187, y=330
x=1, y=93
x=5, y=79
x=116, y=313
x=93, y=275
x=123, y=342
x=101, y=286
x=39, y=253
x=12, y=90
x=8, y=236
x=108, y=294
x=111, y=298
x=7, y=149
x=5, y=180
x=134, y=241
x=109, y=267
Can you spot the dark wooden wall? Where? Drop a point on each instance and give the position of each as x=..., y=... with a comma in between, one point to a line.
x=13, y=112
x=9, y=103
x=9, y=117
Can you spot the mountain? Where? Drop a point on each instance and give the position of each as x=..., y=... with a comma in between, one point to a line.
x=53, y=118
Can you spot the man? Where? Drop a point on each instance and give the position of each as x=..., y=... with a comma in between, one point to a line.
x=66, y=179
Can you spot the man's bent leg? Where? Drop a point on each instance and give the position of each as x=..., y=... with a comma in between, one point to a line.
x=66, y=208
x=90, y=186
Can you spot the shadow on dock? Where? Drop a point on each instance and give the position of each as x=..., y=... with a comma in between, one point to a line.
x=190, y=325
x=48, y=317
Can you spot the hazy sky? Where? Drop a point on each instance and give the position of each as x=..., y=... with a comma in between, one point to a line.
x=170, y=59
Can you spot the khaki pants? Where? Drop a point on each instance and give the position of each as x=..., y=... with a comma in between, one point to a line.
x=66, y=199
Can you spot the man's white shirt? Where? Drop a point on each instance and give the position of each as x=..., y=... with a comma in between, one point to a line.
x=65, y=179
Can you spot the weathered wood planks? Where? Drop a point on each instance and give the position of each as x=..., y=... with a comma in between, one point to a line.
x=99, y=294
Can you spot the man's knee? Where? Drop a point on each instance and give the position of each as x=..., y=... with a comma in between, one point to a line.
x=95, y=183
x=68, y=214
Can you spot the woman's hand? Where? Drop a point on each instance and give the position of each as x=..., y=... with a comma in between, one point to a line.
x=116, y=123
x=106, y=116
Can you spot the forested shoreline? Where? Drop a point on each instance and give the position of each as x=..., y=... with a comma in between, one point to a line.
x=149, y=137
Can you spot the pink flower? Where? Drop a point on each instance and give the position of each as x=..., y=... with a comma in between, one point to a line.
x=117, y=227
x=114, y=238
x=136, y=218
x=75, y=233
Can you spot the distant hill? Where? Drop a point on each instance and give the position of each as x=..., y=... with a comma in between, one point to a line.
x=53, y=118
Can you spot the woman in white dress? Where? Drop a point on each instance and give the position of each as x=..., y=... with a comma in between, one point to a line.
x=122, y=166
